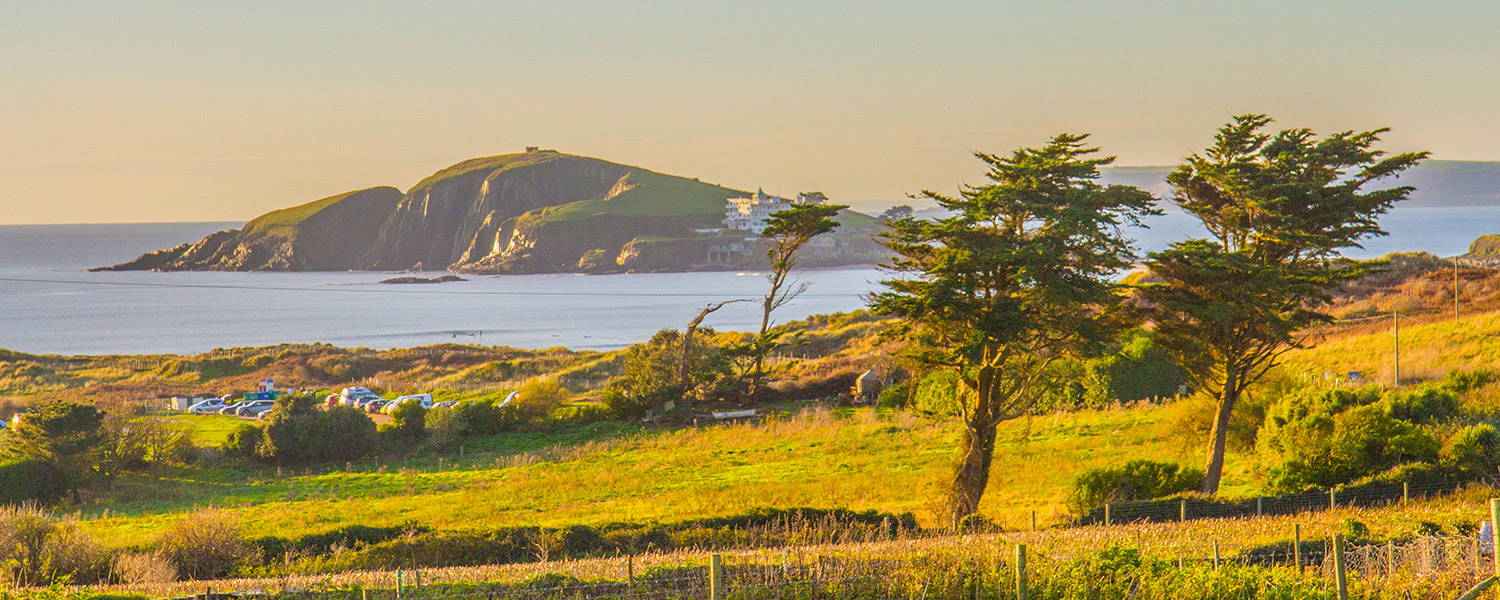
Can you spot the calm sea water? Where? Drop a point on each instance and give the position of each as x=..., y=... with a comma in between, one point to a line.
x=48, y=304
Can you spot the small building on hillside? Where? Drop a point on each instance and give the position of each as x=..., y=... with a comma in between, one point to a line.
x=750, y=214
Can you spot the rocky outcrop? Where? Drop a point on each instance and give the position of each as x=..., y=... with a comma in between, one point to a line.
x=326, y=235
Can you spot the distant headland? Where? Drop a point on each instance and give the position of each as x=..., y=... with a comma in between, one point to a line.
x=539, y=211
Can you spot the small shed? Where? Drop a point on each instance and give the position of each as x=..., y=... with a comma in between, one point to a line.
x=867, y=387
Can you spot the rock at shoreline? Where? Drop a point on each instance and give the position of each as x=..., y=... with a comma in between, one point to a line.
x=443, y=279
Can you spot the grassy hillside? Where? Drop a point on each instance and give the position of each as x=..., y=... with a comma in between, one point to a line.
x=652, y=195
x=1430, y=346
x=501, y=163
x=854, y=459
x=283, y=223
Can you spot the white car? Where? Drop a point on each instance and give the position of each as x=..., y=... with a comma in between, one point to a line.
x=357, y=397
x=207, y=407
x=424, y=399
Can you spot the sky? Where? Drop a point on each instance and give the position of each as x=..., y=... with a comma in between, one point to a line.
x=216, y=111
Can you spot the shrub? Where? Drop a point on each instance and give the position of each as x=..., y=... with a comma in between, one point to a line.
x=205, y=544
x=38, y=549
x=937, y=394
x=410, y=421
x=297, y=432
x=896, y=395
x=31, y=480
x=651, y=374
x=536, y=402
x=1139, y=370
x=1473, y=450
x=1326, y=438
x=137, y=568
x=446, y=426
x=243, y=441
x=1135, y=480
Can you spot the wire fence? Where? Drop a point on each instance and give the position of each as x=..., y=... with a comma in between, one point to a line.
x=1130, y=561
x=1181, y=509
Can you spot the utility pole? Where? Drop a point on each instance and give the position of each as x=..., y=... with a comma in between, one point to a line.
x=1455, y=289
x=1396, y=346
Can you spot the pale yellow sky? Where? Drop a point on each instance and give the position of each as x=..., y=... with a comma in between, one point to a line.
x=207, y=111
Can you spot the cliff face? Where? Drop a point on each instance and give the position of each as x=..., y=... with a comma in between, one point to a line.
x=325, y=235
x=536, y=212
x=451, y=217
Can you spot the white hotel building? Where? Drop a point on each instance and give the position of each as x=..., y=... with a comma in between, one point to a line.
x=750, y=214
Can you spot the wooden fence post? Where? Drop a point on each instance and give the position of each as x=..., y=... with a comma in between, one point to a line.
x=716, y=578
x=1106, y=514
x=630, y=569
x=1182, y=510
x=1333, y=499
x=1338, y=567
x=1260, y=506
x=398, y=585
x=1297, y=546
x=1033, y=520
x=1494, y=518
x=1405, y=493
x=1020, y=571
x=1216, y=555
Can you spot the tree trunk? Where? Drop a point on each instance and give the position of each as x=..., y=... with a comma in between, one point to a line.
x=1218, y=436
x=973, y=473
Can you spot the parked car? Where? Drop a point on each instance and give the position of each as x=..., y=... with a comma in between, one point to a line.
x=257, y=411
x=207, y=407
x=230, y=407
x=424, y=399
x=357, y=396
x=446, y=404
x=251, y=408
x=376, y=406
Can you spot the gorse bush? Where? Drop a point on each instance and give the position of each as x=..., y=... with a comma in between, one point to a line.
x=205, y=544
x=37, y=548
x=1134, y=480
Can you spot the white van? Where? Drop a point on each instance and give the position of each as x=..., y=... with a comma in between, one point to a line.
x=357, y=396
x=425, y=399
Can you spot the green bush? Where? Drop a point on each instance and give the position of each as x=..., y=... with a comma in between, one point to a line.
x=1138, y=371
x=31, y=480
x=243, y=441
x=410, y=422
x=651, y=374
x=1135, y=480
x=938, y=394
x=446, y=426
x=1330, y=437
x=896, y=395
x=297, y=431
x=1473, y=451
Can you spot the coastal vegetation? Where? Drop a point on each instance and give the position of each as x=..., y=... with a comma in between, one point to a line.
x=1007, y=382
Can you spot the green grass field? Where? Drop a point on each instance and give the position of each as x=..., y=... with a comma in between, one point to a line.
x=615, y=472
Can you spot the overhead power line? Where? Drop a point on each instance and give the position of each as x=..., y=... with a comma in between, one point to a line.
x=353, y=290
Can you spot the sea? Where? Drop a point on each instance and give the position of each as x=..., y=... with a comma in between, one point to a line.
x=50, y=304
